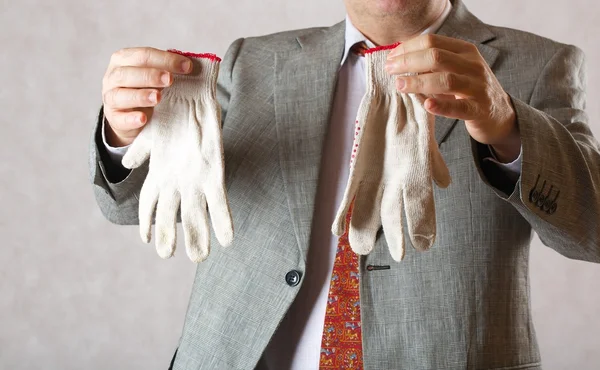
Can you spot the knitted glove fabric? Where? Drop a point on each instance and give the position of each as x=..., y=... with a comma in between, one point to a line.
x=183, y=141
x=395, y=158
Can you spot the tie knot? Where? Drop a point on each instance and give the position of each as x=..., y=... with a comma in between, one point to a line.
x=359, y=48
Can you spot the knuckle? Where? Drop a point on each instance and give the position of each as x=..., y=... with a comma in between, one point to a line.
x=479, y=69
x=108, y=98
x=428, y=41
x=116, y=75
x=143, y=55
x=147, y=76
x=141, y=96
x=115, y=56
x=153, y=77
x=404, y=60
x=435, y=56
x=448, y=80
x=416, y=82
x=119, y=56
x=172, y=61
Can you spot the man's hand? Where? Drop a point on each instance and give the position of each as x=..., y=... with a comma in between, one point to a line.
x=131, y=88
x=459, y=84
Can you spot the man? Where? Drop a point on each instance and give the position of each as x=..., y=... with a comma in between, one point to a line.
x=510, y=125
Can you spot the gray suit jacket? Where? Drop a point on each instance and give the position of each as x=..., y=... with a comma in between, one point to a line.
x=462, y=305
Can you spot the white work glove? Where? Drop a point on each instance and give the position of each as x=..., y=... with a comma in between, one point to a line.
x=183, y=141
x=395, y=158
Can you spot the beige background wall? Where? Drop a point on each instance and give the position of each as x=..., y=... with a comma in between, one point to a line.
x=79, y=293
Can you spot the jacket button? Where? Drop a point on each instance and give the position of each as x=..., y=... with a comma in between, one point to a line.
x=292, y=278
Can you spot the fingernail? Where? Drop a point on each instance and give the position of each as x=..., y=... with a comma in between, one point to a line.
x=400, y=83
x=186, y=66
x=152, y=97
x=166, y=79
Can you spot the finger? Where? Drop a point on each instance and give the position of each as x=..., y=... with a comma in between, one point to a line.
x=126, y=120
x=148, y=199
x=440, y=172
x=195, y=226
x=391, y=220
x=463, y=109
x=153, y=58
x=137, y=77
x=126, y=98
x=139, y=151
x=440, y=83
x=166, y=222
x=429, y=60
x=365, y=219
x=429, y=41
x=420, y=214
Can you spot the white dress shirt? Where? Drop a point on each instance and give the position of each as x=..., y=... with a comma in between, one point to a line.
x=297, y=342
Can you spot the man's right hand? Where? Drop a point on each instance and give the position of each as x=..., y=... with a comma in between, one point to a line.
x=132, y=87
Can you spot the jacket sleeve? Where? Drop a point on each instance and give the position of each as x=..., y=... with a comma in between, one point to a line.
x=558, y=190
x=116, y=188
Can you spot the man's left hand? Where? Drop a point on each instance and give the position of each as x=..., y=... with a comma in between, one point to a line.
x=459, y=84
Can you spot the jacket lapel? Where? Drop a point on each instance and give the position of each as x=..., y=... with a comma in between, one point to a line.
x=463, y=25
x=305, y=80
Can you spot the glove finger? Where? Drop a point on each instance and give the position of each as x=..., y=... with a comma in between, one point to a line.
x=216, y=195
x=366, y=156
x=339, y=223
x=166, y=222
x=147, y=203
x=420, y=214
x=441, y=174
x=139, y=151
x=365, y=220
x=220, y=214
x=391, y=219
x=195, y=226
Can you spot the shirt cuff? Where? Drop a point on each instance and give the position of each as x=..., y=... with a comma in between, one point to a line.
x=116, y=154
x=512, y=169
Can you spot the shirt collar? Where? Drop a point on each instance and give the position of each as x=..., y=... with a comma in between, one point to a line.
x=353, y=35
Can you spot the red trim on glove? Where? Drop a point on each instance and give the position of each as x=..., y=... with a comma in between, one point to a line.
x=209, y=56
x=379, y=48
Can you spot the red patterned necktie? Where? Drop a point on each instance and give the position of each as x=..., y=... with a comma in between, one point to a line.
x=341, y=345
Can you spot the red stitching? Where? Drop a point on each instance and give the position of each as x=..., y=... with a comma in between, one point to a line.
x=379, y=48
x=209, y=56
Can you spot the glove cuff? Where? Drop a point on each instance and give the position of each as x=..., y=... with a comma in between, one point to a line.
x=203, y=78
x=378, y=80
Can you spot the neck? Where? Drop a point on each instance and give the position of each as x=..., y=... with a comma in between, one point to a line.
x=388, y=28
